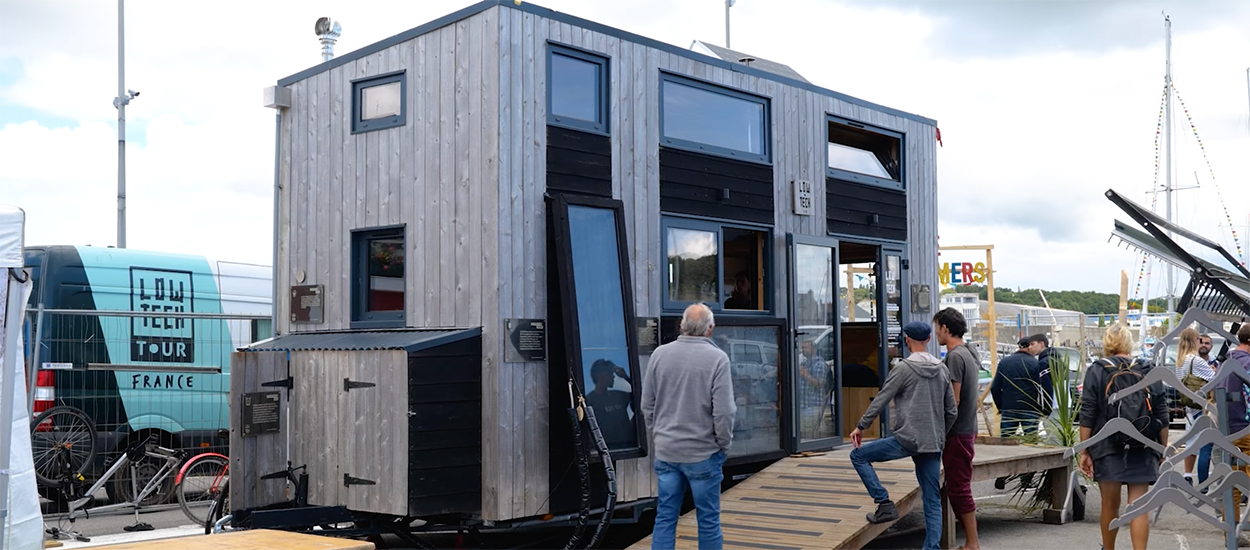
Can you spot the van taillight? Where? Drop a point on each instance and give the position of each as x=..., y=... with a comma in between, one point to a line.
x=45, y=393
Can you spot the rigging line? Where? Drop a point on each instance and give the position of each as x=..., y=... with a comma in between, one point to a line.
x=1142, y=269
x=1201, y=147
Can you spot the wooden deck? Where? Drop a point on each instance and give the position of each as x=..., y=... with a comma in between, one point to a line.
x=248, y=540
x=819, y=502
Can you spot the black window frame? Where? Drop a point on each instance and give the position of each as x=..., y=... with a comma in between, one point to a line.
x=360, y=125
x=361, y=316
x=562, y=253
x=603, y=89
x=847, y=175
x=668, y=305
x=678, y=143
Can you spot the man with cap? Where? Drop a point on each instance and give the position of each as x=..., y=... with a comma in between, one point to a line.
x=1015, y=389
x=918, y=389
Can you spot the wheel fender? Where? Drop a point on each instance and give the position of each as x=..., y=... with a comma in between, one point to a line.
x=187, y=464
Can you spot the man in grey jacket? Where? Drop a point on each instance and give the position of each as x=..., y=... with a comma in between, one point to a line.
x=919, y=390
x=688, y=403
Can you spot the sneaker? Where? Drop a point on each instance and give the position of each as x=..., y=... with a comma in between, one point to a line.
x=1243, y=540
x=886, y=512
x=1000, y=483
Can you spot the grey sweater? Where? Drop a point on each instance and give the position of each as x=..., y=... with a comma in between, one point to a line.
x=920, y=391
x=688, y=400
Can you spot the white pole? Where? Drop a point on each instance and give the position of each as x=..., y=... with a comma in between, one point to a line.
x=121, y=102
x=1167, y=83
x=728, y=4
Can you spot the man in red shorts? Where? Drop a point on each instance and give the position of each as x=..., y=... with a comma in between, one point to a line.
x=963, y=365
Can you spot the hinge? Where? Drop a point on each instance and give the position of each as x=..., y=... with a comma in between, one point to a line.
x=349, y=481
x=348, y=385
x=289, y=383
x=906, y=263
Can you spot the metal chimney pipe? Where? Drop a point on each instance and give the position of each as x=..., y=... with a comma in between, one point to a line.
x=328, y=30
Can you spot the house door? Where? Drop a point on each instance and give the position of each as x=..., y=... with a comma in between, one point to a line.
x=815, y=342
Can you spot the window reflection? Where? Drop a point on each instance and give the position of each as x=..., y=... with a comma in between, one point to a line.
x=574, y=88
x=381, y=101
x=693, y=262
x=743, y=269
x=700, y=115
x=601, y=322
x=753, y=353
x=386, y=274
x=815, y=301
x=856, y=160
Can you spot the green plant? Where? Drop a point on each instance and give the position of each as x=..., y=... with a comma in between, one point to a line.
x=1059, y=429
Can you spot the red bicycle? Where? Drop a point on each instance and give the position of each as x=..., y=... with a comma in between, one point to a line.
x=200, y=480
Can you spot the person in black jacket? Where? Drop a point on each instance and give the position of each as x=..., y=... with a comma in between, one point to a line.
x=1015, y=391
x=1039, y=345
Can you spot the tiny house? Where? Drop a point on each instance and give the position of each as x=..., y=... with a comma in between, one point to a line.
x=556, y=192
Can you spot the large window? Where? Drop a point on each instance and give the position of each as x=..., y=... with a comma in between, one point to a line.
x=722, y=265
x=378, y=264
x=379, y=102
x=577, y=89
x=703, y=117
x=865, y=154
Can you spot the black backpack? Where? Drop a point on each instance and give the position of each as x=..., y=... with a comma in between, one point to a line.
x=1136, y=407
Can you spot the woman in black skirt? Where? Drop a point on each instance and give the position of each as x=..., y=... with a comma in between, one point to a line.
x=1110, y=466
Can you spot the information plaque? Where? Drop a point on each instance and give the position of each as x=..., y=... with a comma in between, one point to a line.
x=260, y=413
x=306, y=303
x=648, y=334
x=527, y=340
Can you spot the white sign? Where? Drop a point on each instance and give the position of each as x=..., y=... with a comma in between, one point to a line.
x=802, y=192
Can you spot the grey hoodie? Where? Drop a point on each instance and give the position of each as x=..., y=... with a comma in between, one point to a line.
x=920, y=391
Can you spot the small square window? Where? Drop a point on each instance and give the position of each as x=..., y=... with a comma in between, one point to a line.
x=577, y=89
x=865, y=154
x=378, y=266
x=379, y=102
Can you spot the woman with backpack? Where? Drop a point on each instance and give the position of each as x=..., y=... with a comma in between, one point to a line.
x=1119, y=460
x=1195, y=372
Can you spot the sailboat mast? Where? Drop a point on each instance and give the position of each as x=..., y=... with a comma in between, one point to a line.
x=1167, y=118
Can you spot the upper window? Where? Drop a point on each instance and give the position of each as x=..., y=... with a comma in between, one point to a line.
x=379, y=102
x=865, y=154
x=378, y=261
x=721, y=265
x=577, y=89
x=703, y=117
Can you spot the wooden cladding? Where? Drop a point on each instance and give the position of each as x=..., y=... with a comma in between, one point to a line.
x=865, y=210
x=579, y=162
x=445, y=429
x=716, y=187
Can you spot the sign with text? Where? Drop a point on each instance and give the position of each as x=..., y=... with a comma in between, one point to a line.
x=961, y=273
x=260, y=413
x=306, y=303
x=527, y=340
x=802, y=192
x=161, y=339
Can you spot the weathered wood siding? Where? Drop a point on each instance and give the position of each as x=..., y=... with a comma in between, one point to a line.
x=466, y=175
x=254, y=456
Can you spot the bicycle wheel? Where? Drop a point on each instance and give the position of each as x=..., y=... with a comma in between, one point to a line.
x=146, y=469
x=219, y=509
x=202, y=479
x=62, y=441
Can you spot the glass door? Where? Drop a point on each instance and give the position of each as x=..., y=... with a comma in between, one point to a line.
x=815, y=343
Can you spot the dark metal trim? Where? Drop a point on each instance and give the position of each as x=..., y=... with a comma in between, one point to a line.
x=289, y=383
x=348, y=481
x=349, y=384
x=359, y=124
x=603, y=89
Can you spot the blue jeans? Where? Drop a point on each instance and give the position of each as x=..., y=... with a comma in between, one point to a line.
x=1204, y=458
x=1025, y=420
x=704, y=480
x=928, y=469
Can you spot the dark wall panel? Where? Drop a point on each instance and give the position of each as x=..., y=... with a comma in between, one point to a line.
x=578, y=162
x=850, y=206
x=694, y=183
x=445, y=429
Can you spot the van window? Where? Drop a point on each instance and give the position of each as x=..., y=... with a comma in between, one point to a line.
x=747, y=354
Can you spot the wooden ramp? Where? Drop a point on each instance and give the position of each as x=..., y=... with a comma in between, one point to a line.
x=819, y=502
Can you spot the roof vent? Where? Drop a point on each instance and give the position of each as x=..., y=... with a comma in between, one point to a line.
x=328, y=30
x=746, y=60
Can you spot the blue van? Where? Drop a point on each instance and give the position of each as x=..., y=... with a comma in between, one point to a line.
x=142, y=375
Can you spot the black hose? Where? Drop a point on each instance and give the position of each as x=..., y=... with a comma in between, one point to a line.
x=583, y=470
x=610, y=470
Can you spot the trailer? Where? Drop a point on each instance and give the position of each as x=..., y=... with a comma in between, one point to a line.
x=492, y=218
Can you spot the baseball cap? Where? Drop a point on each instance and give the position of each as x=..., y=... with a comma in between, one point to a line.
x=917, y=331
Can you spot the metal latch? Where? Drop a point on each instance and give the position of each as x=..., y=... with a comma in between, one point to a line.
x=349, y=481
x=348, y=384
x=289, y=383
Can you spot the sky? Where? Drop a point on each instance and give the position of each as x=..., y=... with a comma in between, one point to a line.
x=1042, y=106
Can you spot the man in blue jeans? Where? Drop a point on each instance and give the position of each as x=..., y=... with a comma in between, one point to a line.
x=688, y=403
x=923, y=412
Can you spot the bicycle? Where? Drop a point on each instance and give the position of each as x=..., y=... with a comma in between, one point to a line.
x=202, y=478
x=219, y=514
x=61, y=433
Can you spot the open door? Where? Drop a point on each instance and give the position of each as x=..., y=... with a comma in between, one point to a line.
x=815, y=343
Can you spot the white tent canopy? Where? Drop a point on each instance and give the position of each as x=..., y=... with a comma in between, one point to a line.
x=21, y=526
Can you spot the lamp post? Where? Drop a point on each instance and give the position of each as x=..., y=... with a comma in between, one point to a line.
x=123, y=98
x=728, y=4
